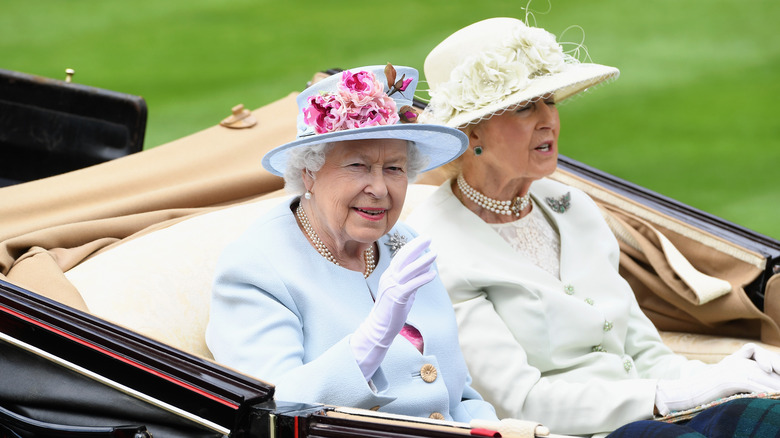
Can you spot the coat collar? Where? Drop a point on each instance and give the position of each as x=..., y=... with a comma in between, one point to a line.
x=487, y=241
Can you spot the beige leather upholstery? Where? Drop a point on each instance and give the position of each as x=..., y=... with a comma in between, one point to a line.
x=159, y=284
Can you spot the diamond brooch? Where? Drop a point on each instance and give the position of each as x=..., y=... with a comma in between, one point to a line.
x=561, y=204
x=395, y=242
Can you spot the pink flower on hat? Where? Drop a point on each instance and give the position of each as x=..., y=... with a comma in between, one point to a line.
x=325, y=113
x=379, y=111
x=360, y=101
x=359, y=88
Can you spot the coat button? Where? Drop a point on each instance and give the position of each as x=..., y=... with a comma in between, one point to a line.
x=436, y=416
x=569, y=289
x=428, y=373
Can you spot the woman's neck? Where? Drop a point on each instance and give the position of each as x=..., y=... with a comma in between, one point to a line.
x=349, y=254
x=496, y=188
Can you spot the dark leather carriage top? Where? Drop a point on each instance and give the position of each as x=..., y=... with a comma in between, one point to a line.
x=49, y=126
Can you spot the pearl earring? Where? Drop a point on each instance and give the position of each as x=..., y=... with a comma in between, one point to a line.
x=477, y=150
x=307, y=195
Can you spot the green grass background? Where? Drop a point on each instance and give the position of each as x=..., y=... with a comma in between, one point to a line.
x=693, y=116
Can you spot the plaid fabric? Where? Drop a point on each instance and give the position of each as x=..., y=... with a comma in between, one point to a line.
x=741, y=418
x=680, y=416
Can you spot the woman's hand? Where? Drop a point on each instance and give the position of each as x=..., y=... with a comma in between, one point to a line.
x=768, y=361
x=409, y=270
x=733, y=375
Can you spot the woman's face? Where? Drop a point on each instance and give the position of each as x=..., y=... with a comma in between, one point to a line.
x=358, y=194
x=519, y=143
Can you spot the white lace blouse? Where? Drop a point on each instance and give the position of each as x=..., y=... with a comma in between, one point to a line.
x=535, y=237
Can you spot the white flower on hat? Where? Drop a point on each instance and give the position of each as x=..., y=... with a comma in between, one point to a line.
x=490, y=76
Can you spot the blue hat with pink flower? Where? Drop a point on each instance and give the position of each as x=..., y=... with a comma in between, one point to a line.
x=372, y=102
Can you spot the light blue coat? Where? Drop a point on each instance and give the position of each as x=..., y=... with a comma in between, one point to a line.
x=283, y=313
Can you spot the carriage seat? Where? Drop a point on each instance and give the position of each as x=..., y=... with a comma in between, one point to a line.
x=159, y=284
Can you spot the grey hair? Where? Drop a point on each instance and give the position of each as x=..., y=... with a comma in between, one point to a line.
x=312, y=158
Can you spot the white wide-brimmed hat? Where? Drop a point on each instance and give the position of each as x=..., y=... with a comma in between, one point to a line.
x=497, y=63
x=373, y=102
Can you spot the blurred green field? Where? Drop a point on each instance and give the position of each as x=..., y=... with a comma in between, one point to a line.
x=693, y=115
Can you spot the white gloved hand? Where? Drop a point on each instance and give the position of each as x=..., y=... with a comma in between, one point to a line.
x=732, y=375
x=409, y=270
x=769, y=361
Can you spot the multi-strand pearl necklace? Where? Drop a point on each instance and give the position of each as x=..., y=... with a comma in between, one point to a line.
x=515, y=206
x=368, y=255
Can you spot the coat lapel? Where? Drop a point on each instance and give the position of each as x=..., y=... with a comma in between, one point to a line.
x=504, y=262
x=555, y=201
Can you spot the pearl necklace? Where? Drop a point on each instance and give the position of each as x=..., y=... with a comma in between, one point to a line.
x=368, y=255
x=516, y=206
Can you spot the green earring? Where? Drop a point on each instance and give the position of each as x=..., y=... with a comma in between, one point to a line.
x=477, y=150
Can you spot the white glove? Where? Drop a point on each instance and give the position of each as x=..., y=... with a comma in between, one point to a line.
x=732, y=375
x=512, y=428
x=769, y=361
x=409, y=270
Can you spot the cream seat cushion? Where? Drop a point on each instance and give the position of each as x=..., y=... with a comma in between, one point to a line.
x=159, y=284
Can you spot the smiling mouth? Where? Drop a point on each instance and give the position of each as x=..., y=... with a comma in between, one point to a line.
x=544, y=148
x=372, y=212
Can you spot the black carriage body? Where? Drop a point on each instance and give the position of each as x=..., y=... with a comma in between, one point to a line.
x=69, y=374
x=49, y=126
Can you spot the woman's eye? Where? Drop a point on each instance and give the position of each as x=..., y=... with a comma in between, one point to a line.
x=395, y=169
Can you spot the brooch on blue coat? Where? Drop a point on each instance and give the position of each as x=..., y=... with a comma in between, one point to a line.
x=561, y=204
x=395, y=242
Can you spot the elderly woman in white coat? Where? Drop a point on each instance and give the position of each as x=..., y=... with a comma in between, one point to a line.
x=327, y=296
x=549, y=329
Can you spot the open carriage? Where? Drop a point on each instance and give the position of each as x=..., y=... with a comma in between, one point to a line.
x=105, y=276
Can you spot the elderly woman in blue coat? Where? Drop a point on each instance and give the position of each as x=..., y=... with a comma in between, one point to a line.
x=329, y=297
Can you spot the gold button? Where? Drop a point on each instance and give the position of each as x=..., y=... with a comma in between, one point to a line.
x=436, y=416
x=428, y=373
x=375, y=408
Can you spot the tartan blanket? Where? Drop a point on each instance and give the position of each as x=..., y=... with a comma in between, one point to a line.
x=755, y=416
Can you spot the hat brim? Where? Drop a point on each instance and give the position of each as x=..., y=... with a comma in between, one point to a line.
x=574, y=79
x=440, y=144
